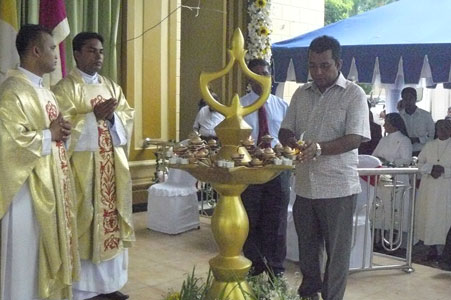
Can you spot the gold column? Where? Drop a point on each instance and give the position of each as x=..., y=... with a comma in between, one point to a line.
x=152, y=51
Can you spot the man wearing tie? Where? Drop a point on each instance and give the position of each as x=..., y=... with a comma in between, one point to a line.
x=266, y=204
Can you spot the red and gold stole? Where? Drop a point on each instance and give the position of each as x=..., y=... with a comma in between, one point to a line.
x=107, y=204
x=65, y=180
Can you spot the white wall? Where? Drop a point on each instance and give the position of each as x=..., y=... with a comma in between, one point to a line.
x=291, y=18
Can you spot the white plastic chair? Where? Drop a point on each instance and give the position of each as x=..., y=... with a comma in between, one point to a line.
x=292, y=236
x=362, y=215
x=172, y=206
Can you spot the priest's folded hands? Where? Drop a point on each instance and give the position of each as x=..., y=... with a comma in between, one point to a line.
x=60, y=129
x=105, y=110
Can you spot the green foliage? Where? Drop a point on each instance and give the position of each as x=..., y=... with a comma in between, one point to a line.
x=193, y=288
x=336, y=10
x=361, y=6
x=263, y=286
x=269, y=287
x=367, y=87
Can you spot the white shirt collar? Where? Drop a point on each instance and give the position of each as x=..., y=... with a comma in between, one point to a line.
x=89, y=79
x=35, y=79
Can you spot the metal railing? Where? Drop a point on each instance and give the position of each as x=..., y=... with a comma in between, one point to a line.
x=391, y=232
x=208, y=198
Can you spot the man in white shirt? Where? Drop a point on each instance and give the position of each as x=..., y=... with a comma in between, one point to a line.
x=266, y=204
x=331, y=113
x=419, y=123
x=102, y=121
x=206, y=121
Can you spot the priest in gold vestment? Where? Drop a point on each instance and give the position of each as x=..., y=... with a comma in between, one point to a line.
x=39, y=257
x=101, y=120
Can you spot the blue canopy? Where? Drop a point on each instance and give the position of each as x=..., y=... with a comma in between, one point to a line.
x=411, y=37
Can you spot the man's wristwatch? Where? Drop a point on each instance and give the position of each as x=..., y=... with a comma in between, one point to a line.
x=318, y=151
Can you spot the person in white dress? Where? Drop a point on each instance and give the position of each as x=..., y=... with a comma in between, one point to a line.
x=394, y=150
x=433, y=215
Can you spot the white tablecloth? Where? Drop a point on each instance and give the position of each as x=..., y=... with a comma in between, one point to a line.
x=172, y=206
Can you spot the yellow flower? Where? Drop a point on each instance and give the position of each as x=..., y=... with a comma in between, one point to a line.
x=264, y=30
x=260, y=3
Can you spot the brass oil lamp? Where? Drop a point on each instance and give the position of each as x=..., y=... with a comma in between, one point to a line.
x=229, y=223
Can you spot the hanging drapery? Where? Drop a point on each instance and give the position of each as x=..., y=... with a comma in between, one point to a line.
x=102, y=16
x=52, y=14
x=98, y=16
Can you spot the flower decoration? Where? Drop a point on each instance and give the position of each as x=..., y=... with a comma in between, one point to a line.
x=260, y=3
x=259, y=30
x=264, y=30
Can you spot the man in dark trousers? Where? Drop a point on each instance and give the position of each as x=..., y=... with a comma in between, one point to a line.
x=266, y=204
x=331, y=113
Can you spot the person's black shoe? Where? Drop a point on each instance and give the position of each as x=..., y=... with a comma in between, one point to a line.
x=115, y=296
x=256, y=270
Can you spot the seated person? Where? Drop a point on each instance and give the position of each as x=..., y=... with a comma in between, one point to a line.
x=395, y=148
x=206, y=120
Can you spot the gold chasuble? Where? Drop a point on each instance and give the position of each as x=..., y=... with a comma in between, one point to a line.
x=25, y=111
x=102, y=176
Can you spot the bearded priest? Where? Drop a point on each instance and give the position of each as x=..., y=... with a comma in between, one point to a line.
x=102, y=122
x=39, y=257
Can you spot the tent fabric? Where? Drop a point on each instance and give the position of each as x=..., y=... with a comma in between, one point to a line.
x=408, y=37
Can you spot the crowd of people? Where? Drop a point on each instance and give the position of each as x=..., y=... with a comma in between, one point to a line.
x=334, y=118
x=332, y=115
x=65, y=204
x=411, y=132
x=70, y=193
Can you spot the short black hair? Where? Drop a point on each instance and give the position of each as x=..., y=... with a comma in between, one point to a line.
x=81, y=38
x=257, y=62
x=409, y=90
x=446, y=124
x=324, y=43
x=396, y=121
x=27, y=35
